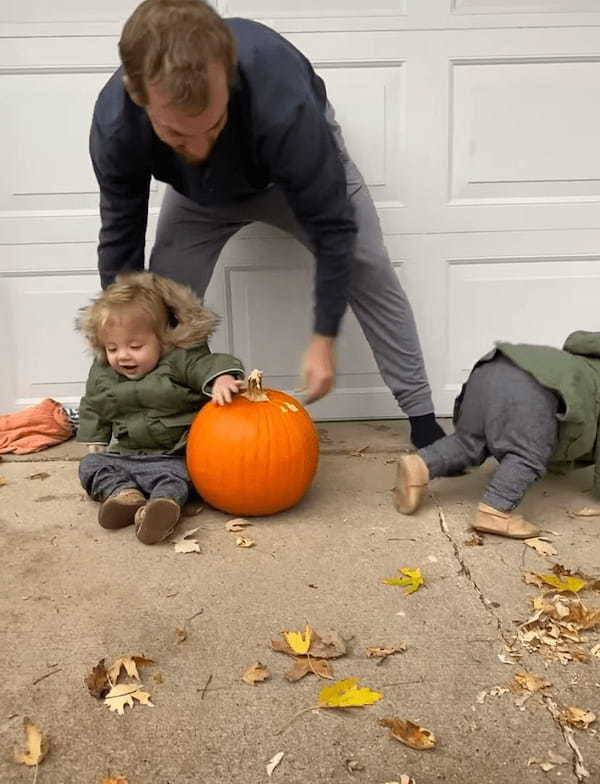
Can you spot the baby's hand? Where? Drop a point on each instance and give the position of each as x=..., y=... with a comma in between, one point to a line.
x=224, y=388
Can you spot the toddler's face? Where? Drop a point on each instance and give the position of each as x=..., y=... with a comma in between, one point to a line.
x=132, y=348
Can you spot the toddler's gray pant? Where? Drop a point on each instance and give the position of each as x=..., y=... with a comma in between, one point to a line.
x=156, y=476
x=190, y=238
x=505, y=413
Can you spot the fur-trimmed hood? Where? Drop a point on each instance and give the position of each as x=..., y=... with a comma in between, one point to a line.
x=190, y=323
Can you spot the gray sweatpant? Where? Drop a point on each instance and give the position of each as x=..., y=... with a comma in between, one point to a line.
x=156, y=476
x=190, y=238
x=505, y=413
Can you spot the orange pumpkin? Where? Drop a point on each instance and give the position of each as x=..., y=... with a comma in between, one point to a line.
x=254, y=456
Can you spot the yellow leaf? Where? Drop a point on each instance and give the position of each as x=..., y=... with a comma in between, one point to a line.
x=298, y=642
x=124, y=694
x=527, y=681
x=573, y=584
x=409, y=733
x=346, y=694
x=36, y=743
x=411, y=581
x=244, y=541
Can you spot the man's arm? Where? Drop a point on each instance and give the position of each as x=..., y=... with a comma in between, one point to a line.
x=124, y=191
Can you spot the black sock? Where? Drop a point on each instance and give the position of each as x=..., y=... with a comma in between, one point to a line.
x=424, y=430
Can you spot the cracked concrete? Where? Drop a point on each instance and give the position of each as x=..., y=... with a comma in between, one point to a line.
x=75, y=593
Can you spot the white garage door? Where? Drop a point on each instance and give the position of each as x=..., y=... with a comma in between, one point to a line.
x=475, y=122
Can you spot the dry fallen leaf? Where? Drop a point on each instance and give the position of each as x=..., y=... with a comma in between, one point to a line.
x=532, y=578
x=404, y=779
x=527, y=681
x=474, y=541
x=183, y=543
x=97, y=681
x=115, y=780
x=595, y=650
x=274, y=762
x=541, y=547
x=577, y=717
x=383, y=653
x=123, y=694
x=326, y=646
x=244, y=541
x=36, y=745
x=129, y=664
x=411, y=581
x=346, y=694
x=180, y=635
x=306, y=664
x=588, y=511
x=353, y=765
x=258, y=672
x=237, y=525
x=408, y=733
x=359, y=452
x=3, y=481
x=39, y=475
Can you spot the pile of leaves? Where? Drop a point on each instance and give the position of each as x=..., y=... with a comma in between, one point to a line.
x=560, y=616
x=104, y=683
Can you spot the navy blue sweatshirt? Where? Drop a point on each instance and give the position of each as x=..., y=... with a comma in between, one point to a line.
x=276, y=133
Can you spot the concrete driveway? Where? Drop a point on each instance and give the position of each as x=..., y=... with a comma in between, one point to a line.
x=73, y=593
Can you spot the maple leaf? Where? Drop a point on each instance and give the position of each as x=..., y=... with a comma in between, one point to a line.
x=36, y=745
x=298, y=642
x=244, y=541
x=411, y=581
x=346, y=694
x=258, y=672
x=326, y=646
x=409, y=733
x=123, y=694
x=306, y=664
x=541, y=547
x=560, y=583
x=183, y=544
x=97, y=681
x=236, y=525
x=527, y=681
x=577, y=717
x=130, y=664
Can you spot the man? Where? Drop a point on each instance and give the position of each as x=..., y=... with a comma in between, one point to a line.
x=234, y=119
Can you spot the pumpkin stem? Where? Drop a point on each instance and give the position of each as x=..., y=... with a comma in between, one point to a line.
x=254, y=388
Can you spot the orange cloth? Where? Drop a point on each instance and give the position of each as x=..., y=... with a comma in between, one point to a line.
x=35, y=428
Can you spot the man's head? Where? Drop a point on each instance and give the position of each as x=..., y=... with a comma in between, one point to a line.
x=179, y=60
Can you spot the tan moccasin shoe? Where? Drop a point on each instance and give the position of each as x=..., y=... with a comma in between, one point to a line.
x=492, y=521
x=119, y=509
x=156, y=520
x=412, y=478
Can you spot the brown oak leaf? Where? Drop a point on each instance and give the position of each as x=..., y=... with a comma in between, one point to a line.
x=97, y=681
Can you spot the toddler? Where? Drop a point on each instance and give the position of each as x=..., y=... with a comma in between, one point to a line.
x=152, y=372
x=530, y=407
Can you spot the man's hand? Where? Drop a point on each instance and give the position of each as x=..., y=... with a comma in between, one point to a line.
x=318, y=368
x=224, y=388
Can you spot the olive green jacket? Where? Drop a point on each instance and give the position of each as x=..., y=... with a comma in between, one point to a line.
x=573, y=373
x=151, y=415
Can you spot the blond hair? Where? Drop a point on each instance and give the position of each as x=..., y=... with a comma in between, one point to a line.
x=173, y=312
x=172, y=43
